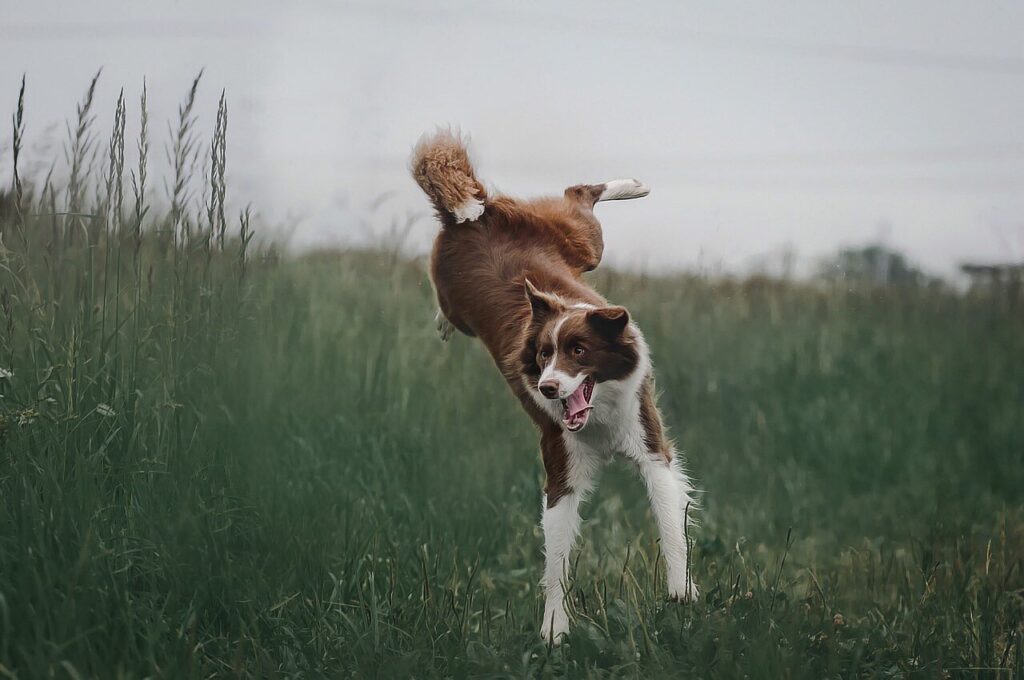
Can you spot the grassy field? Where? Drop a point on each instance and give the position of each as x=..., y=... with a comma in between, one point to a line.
x=218, y=462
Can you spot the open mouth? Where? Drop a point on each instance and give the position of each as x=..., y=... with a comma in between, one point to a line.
x=576, y=409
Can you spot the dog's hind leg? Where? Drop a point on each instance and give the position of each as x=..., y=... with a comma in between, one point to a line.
x=588, y=195
x=622, y=189
x=445, y=328
x=583, y=197
x=447, y=322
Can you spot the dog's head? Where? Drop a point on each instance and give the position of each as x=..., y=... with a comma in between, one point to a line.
x=570, y=349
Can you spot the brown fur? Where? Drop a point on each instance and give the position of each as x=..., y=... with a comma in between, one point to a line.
x=479, y=271
x=650, y=418
x=440, y=165
x=556, y=462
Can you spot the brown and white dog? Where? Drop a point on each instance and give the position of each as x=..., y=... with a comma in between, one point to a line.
x=509, y=272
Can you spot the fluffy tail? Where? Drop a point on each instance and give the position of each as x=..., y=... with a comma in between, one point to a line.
x=440, y=165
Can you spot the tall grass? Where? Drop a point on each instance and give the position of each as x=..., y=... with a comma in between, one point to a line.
x=112, y=316
x=213, y=463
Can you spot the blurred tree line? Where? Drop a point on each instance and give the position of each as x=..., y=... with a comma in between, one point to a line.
x=874, y=264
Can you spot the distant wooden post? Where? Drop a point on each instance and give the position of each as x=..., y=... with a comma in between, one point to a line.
x=1002, y=282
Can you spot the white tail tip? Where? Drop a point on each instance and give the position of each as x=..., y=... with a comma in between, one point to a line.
x=470, y=210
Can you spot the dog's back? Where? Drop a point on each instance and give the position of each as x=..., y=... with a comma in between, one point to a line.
x=489, y=245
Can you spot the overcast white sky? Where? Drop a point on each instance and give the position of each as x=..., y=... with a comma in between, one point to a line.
x=758, y=126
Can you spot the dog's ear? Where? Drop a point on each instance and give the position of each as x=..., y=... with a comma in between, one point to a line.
x=609, y=321
x=541, y=304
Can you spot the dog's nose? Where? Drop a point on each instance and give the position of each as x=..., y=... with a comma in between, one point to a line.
x=549, y=389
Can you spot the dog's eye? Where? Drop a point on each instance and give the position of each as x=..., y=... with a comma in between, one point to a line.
x=544, y=355
x=578, y=351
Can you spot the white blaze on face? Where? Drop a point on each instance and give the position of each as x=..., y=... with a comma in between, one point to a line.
x=567, y=384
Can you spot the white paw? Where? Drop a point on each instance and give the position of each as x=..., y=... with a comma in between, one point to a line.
x=622, y=189
x=555, y=627
x=444, y=327
x=681, y=591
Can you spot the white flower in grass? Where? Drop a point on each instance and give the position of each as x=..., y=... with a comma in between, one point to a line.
x=6, y=373
x=105, y=410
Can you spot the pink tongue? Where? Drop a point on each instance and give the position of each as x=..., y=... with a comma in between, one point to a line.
x=577, y=403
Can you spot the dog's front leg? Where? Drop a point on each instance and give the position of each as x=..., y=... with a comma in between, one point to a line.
x=570, y=476
x=561, y=523
x=669, y=492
